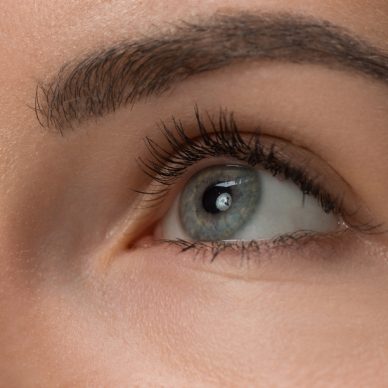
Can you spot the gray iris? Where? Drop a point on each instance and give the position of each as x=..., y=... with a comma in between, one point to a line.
x=217, y=202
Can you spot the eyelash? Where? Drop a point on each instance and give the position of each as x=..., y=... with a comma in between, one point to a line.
x=245, y=248
x=219, y=139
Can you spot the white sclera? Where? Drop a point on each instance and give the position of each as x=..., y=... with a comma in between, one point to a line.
x=282, y=209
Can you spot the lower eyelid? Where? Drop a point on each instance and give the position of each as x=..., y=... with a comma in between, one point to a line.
x=301, y=257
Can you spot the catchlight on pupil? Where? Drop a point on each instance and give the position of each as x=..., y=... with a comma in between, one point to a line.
x=218, y=201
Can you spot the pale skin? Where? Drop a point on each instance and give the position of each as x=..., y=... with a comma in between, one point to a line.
x=88, y=300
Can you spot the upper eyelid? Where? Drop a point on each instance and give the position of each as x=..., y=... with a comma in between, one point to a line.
x=179, y=139
x=224, y=138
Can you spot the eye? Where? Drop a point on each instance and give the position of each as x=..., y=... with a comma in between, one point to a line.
x=237, y=202
x=215, y=183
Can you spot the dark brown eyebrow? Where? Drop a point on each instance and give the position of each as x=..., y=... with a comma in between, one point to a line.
x=129, y=71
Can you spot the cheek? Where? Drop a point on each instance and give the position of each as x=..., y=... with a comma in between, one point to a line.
x=193, y=319
x=155, y=312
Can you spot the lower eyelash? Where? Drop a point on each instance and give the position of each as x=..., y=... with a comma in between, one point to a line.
x=255, y=248
x=213, y=249
x=219, y=139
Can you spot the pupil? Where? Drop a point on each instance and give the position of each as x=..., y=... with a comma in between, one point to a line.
x=217, y=199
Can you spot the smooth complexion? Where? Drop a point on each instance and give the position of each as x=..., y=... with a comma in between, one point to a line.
x=89, y=298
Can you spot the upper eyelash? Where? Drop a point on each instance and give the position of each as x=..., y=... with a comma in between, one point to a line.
x=216, y=139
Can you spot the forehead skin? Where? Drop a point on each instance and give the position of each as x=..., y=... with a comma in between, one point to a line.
x=52, y=339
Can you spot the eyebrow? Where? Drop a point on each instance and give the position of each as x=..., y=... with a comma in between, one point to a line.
x=129, y=71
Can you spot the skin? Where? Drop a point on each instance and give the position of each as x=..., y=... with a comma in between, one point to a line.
x=87, y=298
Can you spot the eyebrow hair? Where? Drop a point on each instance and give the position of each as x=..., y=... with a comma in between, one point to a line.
x=129, y=71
